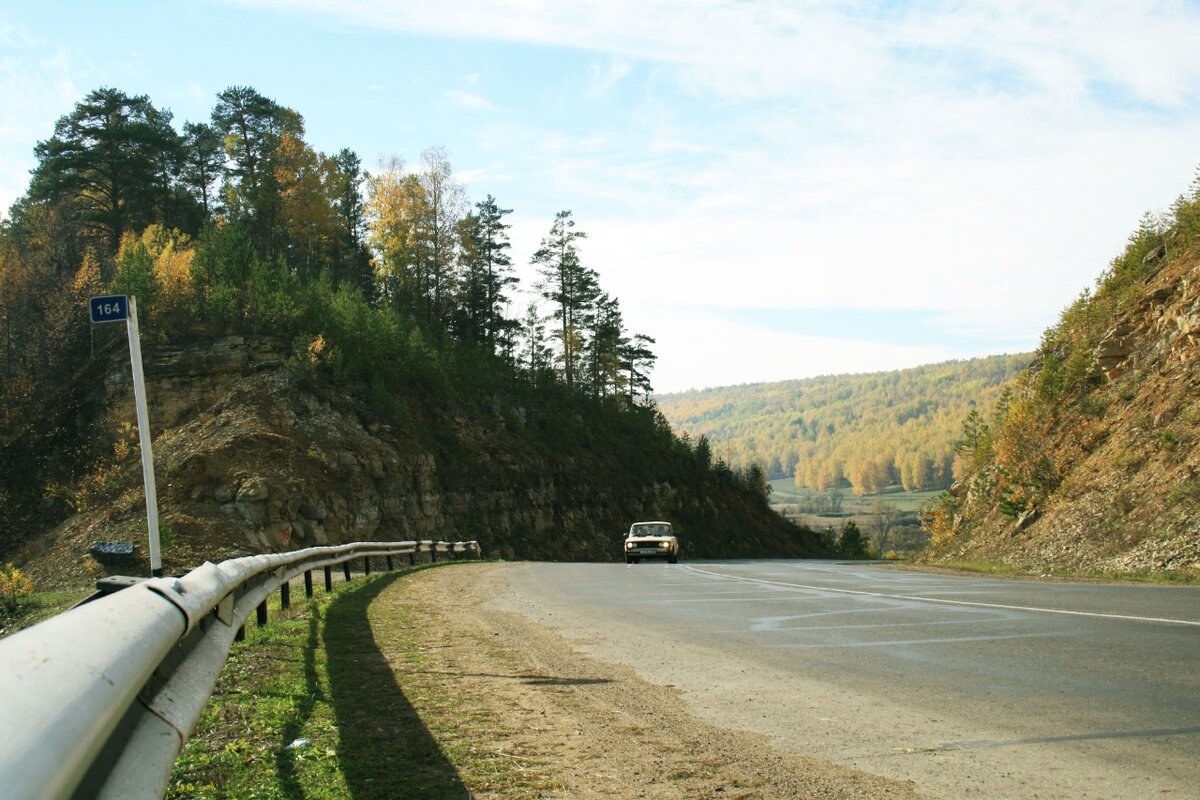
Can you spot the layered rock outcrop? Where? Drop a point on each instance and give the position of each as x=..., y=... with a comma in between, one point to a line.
x=251, y=459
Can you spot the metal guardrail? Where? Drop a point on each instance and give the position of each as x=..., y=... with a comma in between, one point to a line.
x=104, y=696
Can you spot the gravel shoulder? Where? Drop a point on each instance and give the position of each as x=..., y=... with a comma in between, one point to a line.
x=584, y=726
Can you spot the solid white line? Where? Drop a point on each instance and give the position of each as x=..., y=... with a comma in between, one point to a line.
x=918, y=599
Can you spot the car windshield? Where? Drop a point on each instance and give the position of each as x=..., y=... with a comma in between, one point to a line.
x=650, y=530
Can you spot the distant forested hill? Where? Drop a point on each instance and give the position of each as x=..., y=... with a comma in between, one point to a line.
x=867, y=432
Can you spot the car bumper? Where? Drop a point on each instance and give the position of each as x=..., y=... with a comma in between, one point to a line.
x=652, y=552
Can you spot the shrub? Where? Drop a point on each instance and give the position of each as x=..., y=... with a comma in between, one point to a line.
x=14, y=586
x=937, y=517
x=1187, y=492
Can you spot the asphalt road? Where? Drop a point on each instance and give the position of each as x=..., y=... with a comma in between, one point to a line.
x=971, y=687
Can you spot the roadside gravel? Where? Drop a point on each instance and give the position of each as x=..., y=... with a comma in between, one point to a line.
x=590, y=728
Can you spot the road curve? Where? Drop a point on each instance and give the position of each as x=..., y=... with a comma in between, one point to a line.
x=968, y=686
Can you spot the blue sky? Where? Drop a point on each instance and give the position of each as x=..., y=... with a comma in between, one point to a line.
x=772, y=189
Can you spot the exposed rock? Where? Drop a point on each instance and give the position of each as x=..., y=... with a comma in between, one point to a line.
x=1114, y=350
x=1188, y=324
x=254, y=512
x=1027, y=518
x=1125, y=454
x=186, y=380
x=253, y=489
x=314, y=508
x=254, y=461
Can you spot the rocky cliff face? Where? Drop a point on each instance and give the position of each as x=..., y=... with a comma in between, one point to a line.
x=249, y=459
x=1124, y=454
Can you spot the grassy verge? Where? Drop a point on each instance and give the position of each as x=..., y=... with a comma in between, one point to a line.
x=39, y=606
x=330, y=700
x=1181, y=577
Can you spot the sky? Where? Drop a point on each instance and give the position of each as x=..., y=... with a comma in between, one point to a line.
x=772, y=189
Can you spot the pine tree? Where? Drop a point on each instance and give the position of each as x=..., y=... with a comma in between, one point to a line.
x=606, y=344
x=252, y=127
x=569, y=286
x=202, y=163
x=638, y=360
x=111, y=160
x=353, y=257
x=535, y=355
x=485, y=274
x=852, y=542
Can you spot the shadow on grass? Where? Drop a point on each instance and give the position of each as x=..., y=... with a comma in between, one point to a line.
x=285, y=758
x=385, y=749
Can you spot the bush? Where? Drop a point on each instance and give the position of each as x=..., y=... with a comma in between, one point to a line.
x=14, y=586
x=937, y=517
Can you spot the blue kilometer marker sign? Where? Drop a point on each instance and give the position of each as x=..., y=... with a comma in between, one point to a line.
x=113, y=308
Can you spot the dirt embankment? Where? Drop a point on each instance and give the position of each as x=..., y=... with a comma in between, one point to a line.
x=597, y=729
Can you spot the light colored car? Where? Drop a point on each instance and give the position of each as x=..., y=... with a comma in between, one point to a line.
x=651, y=540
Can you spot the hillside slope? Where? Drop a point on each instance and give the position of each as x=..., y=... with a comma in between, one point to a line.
x=891, y=427
x=1090, y=462
x=252, y=458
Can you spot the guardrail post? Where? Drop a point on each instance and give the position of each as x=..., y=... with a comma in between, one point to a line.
x=412, y=557
x=346, y=568
x=240, y=636
x=389, y=563
x=367, y=565
x=328, y=578
x=285, y=595
x=260, y=613
x=433, y=553
x=308, y=583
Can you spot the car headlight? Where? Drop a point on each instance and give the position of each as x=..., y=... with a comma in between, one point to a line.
x=630, y=546
x=665, y=545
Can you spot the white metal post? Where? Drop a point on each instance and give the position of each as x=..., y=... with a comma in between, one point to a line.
x=144, y=435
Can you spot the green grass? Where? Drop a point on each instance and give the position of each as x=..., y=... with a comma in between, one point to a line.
x=323, y=672
x=39, y=606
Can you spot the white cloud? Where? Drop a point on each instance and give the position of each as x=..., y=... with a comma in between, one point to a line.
x=775, y=47
x=471, y=101
x=607, y=74
x=36, y=87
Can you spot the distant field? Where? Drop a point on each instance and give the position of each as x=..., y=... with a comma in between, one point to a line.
x=784, y=492
x=905, y=536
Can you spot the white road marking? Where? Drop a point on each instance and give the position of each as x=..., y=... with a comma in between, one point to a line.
x=919, y=599
x=895, y=642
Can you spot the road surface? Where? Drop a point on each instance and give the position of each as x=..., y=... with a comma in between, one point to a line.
x=968, y=686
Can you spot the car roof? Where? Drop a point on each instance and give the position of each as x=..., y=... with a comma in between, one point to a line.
x=653, y=522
